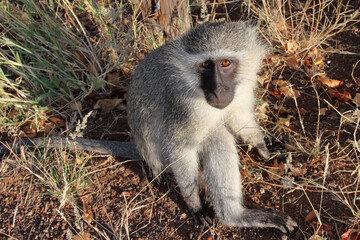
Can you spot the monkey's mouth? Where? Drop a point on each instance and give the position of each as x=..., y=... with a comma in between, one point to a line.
x=220, y=98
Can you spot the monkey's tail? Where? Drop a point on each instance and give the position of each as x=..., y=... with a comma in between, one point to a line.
x=114, y=148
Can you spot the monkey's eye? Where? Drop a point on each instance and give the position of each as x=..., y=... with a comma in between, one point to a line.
x=225, y=63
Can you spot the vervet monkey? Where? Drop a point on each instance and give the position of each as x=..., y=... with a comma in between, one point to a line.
x=187, y=103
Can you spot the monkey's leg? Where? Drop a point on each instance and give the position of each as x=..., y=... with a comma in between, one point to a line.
x=243, y=125
x=222, y=177
x=185, y=168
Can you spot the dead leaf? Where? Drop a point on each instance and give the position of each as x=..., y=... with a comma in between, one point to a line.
x=308, y=62
x=28, y=134
x=113, y=77
x=314, y=53
x=290, y=93
x=351, y=116
x=284, y=89
x=274, y=59
x=244, y=173
x=263, y=79
x=302, y=111
x=87, y=213
x=349, y=85
x=279, y=83
x=80, y=158
x=310, y=216
x=262, y=107
x=323, y=111
x=281, y=24
x=351, y=234
x=79, y=55
x=85, y=235
x=315, y=57
x=277, y=170
x=126, y=194
x=290, y=147
x=315, y=237
x=292, y=61
x=93, y=67
x=342, y=97
x=291, y=46
x=281, y=109
x=76, y=106
x=325, y=228
x=318, y=62
x=328, y=82
x=107, y=105
x=49, y=128
x=284, y=121
x=275, y=93
x=30, y=129
x=297, y=171
x=13, y=113
x=58, y=121
x=356, y=99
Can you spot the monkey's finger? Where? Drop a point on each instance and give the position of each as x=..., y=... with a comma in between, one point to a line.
x=200, y=219
x=209, y=220
x=263, y=151
x=285, y=223
x=290, y=224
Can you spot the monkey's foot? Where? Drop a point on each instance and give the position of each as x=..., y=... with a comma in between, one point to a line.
x=201, y=218
x=263, y=218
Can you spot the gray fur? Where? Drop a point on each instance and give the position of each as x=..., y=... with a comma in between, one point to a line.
x=114, y=148
x=176, y=129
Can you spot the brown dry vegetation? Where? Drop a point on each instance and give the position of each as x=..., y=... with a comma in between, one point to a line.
x=64, y=69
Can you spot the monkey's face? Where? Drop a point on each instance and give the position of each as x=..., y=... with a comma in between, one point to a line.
x=217, y=80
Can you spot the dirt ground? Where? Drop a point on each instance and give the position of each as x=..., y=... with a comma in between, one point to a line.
x=120, y=200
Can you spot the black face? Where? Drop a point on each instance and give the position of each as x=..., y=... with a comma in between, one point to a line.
x=218, y=81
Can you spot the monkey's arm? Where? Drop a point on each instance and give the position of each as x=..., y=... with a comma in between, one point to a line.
x=114, y=148
x=243, y=125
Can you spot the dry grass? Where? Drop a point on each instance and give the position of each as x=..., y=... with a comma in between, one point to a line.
x=308, y=24
x=299, y=31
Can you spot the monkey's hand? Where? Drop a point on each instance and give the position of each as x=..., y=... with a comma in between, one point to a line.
x=263, y=151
